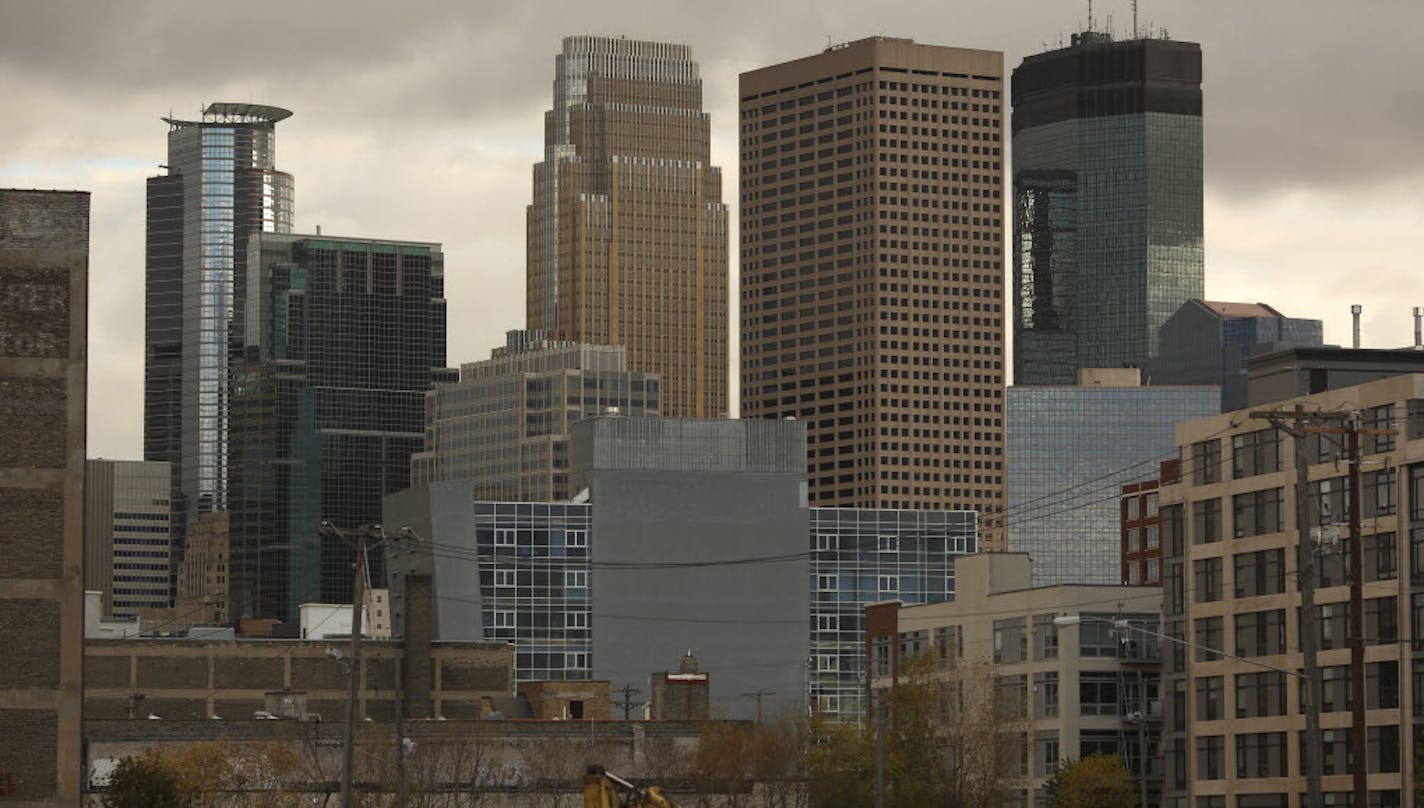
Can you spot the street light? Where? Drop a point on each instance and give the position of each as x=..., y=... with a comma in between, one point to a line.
x=363, y=540
x=1120, y=624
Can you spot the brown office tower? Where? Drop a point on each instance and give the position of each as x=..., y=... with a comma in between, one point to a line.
x=627, y=232
x=872, y=269
x=44, y=275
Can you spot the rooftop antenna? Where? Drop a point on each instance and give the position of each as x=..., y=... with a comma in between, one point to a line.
x=1134, y=19
x=1090, y=15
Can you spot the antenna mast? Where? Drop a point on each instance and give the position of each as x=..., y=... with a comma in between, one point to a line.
x=1090, y=15
x=1134, y=19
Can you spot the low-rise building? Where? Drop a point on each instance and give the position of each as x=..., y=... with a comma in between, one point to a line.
x=1087, y=688
x=1230, y=536
x=696, y=534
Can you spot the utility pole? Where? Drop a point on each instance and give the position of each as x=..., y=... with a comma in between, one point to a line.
x=361, y=540
x=758, y=696
x=880, y=750
x=627, y=702
x=1306, y=578
x=353, y=674
x=1358, y=740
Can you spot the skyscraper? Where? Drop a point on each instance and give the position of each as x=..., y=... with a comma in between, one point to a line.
x=343, y=338
x=1107, y=140
x=871, y=269
x=627, y=233
x=221, y=186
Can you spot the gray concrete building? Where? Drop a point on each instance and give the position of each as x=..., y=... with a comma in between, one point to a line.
x=1211, y=342
x=505, y=424
x=1070, y=451
x=128, y=536
x=695, y=535
x=44, y=288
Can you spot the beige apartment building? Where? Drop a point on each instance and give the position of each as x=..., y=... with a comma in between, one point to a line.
x=872, y=270
x=627, y=231
x=1087, y=688
x=1233, y=729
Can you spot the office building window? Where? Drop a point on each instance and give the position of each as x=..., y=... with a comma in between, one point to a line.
x=1045, y=637
x=1045, y=695
x=1206, y=521
x=1010, y=641
x=1260, y=573
x=1206, y=462
x=1211, y=757
x=1260, y=694
x=1261, y=754
x=1209, y=638
x=1209, y=698
x=1257, y=512
x=1255, y=453
x=1097, y=693
x=1206, y=579
x=1261, y=633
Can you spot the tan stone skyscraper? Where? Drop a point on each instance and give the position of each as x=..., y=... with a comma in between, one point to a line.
x=872, y=270
x=627, y=231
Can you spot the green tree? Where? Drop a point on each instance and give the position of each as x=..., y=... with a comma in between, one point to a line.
x=1096, y=781
x=146, y=780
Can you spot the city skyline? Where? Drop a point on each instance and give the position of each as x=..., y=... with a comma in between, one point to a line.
x=1282, y=177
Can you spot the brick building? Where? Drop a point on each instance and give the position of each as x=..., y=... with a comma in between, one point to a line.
x=44, y=273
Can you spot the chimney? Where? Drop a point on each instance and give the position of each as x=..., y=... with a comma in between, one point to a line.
x=1355, y=315
x=417, y=671
x=1419, y=328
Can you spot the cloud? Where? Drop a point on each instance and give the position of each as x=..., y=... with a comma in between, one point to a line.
x=421, y=121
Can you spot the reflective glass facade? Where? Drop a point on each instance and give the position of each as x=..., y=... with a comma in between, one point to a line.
x=1107, y=144
x=860, y=557
x=343, y=339
x=627, y=232
x=221, y=187
x=1070, y=451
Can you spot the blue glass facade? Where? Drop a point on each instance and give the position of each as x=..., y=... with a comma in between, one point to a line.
x=1070, y=450
x=1107, y=176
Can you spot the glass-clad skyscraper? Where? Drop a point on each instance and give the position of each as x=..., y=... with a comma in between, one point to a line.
x=627, y=232
x=1107, y=186
x=221, y=186
x=343, y=338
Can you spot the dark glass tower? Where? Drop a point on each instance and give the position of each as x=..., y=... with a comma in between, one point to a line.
x=1107, y=173
x=221, y=186
x=343, y=337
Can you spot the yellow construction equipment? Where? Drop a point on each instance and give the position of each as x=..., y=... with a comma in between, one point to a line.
x=601, y=790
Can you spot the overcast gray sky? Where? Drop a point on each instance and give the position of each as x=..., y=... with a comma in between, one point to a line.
x=420, y=120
